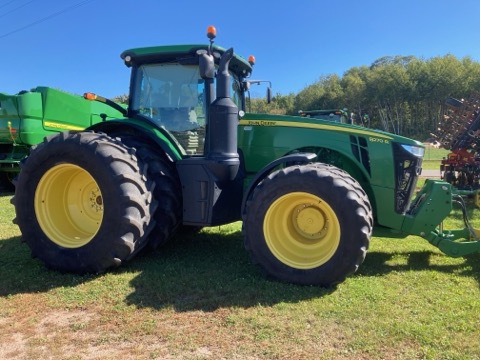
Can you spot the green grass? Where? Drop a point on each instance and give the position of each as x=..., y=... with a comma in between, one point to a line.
x=200, y=298
x=432, y=153
x=431, y=160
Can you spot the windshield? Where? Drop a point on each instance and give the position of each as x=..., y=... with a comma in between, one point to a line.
x=172, y=95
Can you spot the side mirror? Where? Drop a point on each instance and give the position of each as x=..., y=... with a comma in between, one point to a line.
x=269, y=95
x=206, y=65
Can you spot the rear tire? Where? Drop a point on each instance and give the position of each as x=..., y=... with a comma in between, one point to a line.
x=82, y=202
x=308, y=224
x=167, y=192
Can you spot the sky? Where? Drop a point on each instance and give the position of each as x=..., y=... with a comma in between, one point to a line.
x=75, y=45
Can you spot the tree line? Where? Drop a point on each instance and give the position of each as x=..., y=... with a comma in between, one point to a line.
x=400, y=94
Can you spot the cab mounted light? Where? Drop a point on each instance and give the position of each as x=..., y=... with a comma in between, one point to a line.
x=90, y=96
x=128, y=60
x=251, y=60
x=211, y=32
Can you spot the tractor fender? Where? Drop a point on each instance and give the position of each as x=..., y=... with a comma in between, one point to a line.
x=157, y=136
x=296, y=158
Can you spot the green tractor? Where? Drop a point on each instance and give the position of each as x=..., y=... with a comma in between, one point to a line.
x=27, y=117
x=309, y=192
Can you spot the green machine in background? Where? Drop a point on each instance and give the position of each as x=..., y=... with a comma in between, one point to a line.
x=27, y=117
x=335, y=115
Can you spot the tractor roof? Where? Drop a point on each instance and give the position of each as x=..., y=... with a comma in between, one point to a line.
x=184, y=54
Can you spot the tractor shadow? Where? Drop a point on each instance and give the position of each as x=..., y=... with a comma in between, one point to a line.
x=6, y=189
x=382, y=263
x=210, y=270
x=207, y=271
x=204, y=271
x=21, y=274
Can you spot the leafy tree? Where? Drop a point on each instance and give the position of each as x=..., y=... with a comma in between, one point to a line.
x=123, y=99
x=401, y=94
x=309, y=97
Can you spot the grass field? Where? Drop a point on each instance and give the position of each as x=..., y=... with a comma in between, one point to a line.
x=200, y=298
x=431, y=160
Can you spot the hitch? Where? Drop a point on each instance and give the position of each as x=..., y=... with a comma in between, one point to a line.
x=432, y=205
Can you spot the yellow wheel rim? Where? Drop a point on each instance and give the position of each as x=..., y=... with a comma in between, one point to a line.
x=68, y=205
x=301, y=230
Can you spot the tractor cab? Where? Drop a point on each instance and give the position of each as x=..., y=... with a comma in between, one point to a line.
x=168, y=89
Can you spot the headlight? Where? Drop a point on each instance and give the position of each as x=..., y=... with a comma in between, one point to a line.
x=417, y=151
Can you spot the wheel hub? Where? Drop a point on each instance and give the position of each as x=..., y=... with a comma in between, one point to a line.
x=69, y=205
x=310, y=221
x=301, y=230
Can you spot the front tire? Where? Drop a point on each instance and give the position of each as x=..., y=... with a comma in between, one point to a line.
x=83, y=203
x=308, y=224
